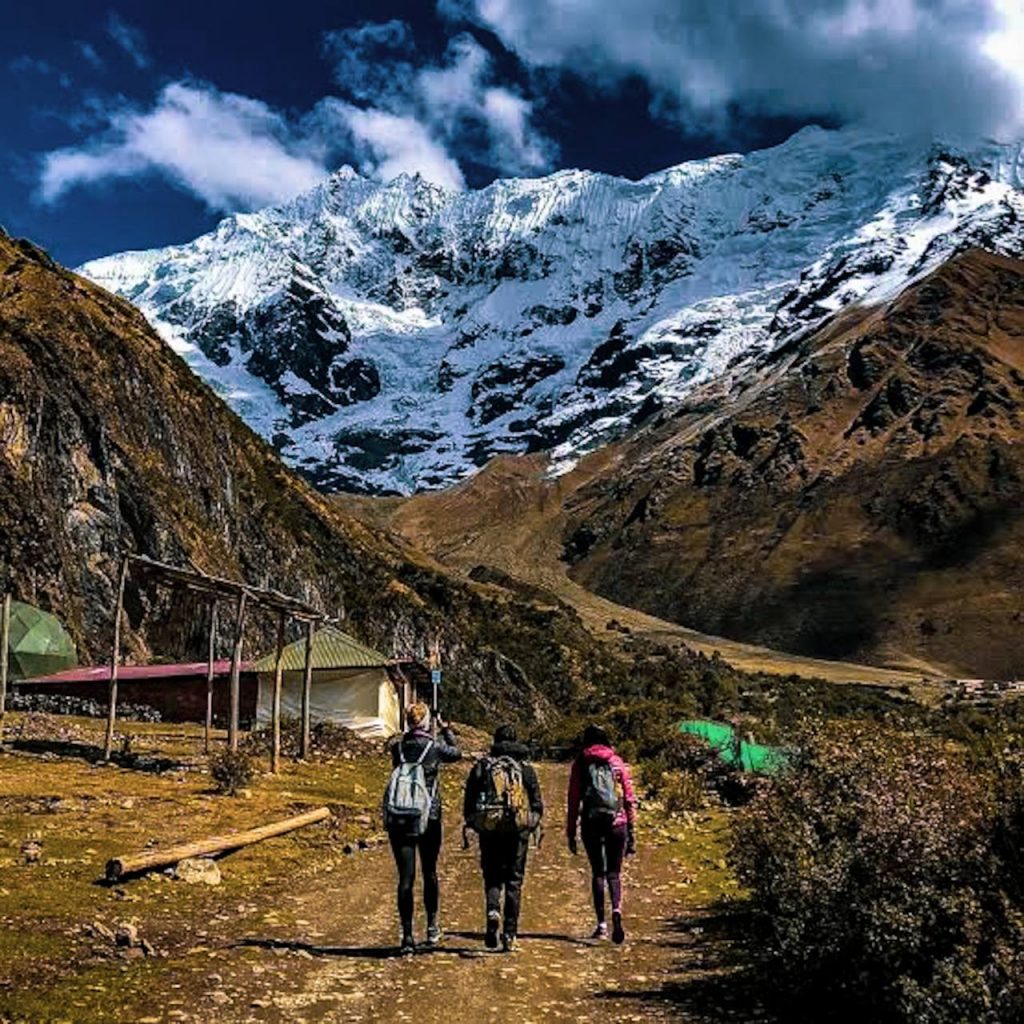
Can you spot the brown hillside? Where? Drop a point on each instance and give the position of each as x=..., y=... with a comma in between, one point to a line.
x=108, y=443
x=860, y=498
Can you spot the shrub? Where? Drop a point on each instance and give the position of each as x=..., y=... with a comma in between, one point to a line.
x=881, y=880
x=231, y=770
x=680, y=792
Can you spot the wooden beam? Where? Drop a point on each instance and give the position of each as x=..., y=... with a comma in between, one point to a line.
x=201, y=582
x=115, y=659
x=135, y=863
x=307, y=687
x=211, y=644
x=5, y=643
x=236, y=666
x=275, y=744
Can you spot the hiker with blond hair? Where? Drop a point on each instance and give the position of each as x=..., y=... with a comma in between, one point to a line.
x=601, y=800
x=412, y=815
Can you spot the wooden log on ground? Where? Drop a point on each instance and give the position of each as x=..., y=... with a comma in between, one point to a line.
x=133, y=864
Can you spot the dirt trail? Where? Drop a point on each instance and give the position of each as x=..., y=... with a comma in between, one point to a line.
x=337, y=960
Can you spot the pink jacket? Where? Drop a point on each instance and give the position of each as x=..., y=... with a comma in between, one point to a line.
x=620, y=770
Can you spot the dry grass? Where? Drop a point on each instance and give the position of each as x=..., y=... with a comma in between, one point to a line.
x=85, y=813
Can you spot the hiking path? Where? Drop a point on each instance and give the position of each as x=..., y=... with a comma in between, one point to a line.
x=328, y=950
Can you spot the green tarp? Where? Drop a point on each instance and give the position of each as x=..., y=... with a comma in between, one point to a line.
x=736, y=752
x=38, y=645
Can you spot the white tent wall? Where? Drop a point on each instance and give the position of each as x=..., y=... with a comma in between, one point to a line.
x=361, y=699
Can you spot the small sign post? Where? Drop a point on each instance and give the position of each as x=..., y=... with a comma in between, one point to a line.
x=435, y=681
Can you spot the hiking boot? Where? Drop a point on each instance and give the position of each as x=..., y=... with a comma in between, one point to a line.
x=509, y=943
x=408, y=944
x=618, y=932
x=601, y=931
x=434, y=934
x=491, y=935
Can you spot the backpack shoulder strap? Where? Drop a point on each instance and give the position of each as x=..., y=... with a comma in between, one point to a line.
x=424, y=752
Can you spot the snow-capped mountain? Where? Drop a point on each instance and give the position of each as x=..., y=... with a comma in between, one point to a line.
x=390, y=337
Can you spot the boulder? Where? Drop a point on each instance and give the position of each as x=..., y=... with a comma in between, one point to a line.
x=198, y=871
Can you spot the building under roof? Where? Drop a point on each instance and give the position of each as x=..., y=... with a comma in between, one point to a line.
x=177, y=691
x=352, y=684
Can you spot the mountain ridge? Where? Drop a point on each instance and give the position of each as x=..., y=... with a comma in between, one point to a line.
x=393, y=337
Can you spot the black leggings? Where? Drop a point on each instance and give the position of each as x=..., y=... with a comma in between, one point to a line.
x=404, y=848
x=605, y=846
x=503, y=860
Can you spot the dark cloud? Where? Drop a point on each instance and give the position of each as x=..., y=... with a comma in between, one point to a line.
x=937, y=66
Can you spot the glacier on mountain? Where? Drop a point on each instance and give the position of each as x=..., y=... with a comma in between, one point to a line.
x=392, y=337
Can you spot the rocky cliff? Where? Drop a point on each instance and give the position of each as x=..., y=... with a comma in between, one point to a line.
x=859, y=493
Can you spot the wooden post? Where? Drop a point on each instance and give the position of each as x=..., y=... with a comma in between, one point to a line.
x=307, y=687
x=115, y=658
x=275, y=747
x=210, y=651
x=236, y=665
x=5, y=643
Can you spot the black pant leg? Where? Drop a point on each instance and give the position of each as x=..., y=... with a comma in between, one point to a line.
x=517, y=849
x=430, y=851
x=403, y=848
x=491, y=864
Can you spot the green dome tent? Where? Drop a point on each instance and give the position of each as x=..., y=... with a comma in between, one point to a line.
x=747, y=757
x=38, y=645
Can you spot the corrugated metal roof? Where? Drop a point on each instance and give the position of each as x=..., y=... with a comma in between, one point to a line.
x=331, y=649
x=101, y=673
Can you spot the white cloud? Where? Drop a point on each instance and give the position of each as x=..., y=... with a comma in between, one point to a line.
x=951, y=66
x=131, y=39
x=231, y=151
x=392, y=144
x=453, y=102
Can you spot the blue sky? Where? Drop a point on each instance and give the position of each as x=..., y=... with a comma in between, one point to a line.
x=141, y=124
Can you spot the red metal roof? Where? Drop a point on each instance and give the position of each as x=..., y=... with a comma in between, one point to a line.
x=101, y=673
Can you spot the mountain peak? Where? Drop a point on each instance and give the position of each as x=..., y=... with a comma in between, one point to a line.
x=390, y=337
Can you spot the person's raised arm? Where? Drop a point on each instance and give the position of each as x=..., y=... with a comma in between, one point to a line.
x=447, y=746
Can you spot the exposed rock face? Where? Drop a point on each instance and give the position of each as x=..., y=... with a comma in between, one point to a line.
x=389, y=338
x=859, y=495
x=110, y=444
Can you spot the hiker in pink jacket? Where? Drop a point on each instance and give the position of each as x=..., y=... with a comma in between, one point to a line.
x=601, y=799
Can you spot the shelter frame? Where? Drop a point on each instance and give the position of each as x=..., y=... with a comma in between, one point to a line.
x=245, y=596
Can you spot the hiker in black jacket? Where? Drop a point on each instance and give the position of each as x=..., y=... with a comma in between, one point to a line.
x=503, y=804
x=441, y=749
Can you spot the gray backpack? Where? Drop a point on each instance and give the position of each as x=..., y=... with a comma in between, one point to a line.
x=408, y=799
x=601, y=801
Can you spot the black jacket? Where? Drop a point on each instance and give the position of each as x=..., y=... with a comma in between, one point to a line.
x=475, y=782
x=444, y=751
